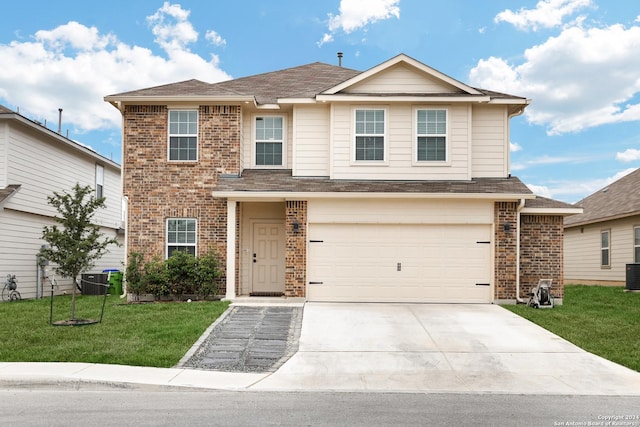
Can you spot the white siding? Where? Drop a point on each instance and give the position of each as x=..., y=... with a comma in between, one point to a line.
x=400, y=211
x=311, y=138
x=401, y=78
x=400, y=145
x=44, y=165
x=490, y=142
x=582, y=252
x=4, y=129
x=20, y=241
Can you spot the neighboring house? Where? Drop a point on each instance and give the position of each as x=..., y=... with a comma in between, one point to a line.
x=332, y=184
x=606, y=237
x=34, y=162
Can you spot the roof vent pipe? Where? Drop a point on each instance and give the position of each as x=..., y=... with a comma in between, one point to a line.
x=339, y=59
x=59, y=120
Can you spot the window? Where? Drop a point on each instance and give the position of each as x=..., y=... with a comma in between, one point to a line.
x=636, y=244
x=370, y=131
x=431, y=134
x=605, y=248
x=269, y=141
x=99, y=181
x=183, y=135
x=181, y=235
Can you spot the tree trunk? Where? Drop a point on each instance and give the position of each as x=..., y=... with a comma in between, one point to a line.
x=73, y=298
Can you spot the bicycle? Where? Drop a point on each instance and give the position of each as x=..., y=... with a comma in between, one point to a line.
x=9, y=292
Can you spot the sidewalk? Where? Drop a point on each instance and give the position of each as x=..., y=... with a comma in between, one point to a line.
x=419, y=348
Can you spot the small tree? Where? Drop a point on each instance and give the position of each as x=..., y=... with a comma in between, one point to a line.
x=76, y=246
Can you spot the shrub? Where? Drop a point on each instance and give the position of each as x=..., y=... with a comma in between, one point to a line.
x=180, y=274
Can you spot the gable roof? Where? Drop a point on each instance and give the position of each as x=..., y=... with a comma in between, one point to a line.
x=310, y=83
x=618, y=200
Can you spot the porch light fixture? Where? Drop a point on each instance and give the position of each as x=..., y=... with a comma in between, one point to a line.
x=296, y=226
x=507, y=227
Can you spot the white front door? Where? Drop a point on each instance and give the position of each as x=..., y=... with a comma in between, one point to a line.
x=268, y=257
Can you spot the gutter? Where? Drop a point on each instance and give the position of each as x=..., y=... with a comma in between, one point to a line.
x=518, y=211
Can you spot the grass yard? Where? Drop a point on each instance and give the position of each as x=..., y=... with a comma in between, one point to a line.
x=130, y=334
x=602, y=320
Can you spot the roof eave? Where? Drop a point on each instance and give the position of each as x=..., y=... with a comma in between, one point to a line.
x=402, y=98
x=602, y=219
x=552, y=211
x=298, y=195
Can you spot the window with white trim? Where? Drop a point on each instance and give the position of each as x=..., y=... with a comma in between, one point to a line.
x=99, y=181
x=605, y=248
x=183, y=135
x=636, y=244
x=369, y=135
x=431, y=135
x=181, y=235
x=269, y=137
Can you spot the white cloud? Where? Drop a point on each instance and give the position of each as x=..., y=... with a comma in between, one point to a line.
x=215, y=38
x=628, y=155
x=573, y=191
x=356, y=14
x=547, y=14
x=580, y=79
x=74, y=66
x=514, y=147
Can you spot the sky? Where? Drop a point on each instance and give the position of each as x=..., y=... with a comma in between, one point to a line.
x=577, y=60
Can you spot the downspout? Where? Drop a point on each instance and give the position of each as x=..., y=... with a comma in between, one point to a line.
x=519, y=208
x=125, y=207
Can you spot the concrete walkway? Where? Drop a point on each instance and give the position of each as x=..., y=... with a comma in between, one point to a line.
x=386, y=347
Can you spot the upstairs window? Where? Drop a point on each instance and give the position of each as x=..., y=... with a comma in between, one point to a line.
x=431, y=135
x=99, y=181
x=183, y=135
x=269, y=140
x=370, y=135
x=181, y=235
x=605, y=249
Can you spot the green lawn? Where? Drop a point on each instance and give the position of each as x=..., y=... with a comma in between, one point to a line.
x=130, y=334
x=602, y=320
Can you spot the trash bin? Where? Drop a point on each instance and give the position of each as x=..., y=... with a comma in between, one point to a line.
x=114, y=278
x=94, y=284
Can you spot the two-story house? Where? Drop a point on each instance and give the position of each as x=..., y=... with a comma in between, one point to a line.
x=34, y=162
x=333, y=184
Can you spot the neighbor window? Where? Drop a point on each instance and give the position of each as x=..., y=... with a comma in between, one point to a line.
x=370, y=131
x=99, y=181
x=605, y=248
x=431, y=130
x=183, y=135
x=636, y=244
x=269, y=140
x=181, y=235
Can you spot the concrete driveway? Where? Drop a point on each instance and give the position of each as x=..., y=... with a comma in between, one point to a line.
x=440, y=348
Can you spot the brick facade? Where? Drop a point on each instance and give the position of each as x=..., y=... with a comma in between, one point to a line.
x=158, y=189
x=296, y=249
x=505, y=250
x=541, y=252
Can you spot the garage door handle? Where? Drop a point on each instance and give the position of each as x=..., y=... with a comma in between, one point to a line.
x=316, y=241
x=486, y=242
x=316, y=283
x=483, y=284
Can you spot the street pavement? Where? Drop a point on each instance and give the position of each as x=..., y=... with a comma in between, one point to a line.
x=418, y=348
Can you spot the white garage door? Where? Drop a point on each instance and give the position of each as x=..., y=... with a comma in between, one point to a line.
x=399, y=263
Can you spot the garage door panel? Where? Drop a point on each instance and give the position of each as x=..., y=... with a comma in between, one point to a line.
x=387, y=262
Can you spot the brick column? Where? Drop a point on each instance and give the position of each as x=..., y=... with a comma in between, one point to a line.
x=541, y=252
x=296, y=250
x=505, y=250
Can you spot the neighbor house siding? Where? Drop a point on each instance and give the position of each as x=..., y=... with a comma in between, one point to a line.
x=400, y=154
x=4, y=132
x=490, y=142
x=44, y=167
x=582, y=252
x=311, y=131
